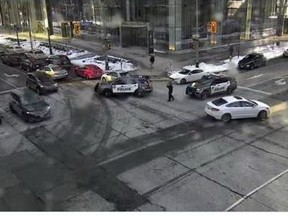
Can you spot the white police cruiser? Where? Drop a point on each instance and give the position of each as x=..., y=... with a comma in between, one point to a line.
x=138, y=86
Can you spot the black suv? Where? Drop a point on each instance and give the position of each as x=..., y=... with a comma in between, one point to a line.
x=139, y=86
x=13, y=58
x=32, y=62
x=252, y=61
x=29, y=106
x=210, y=85
x=41, y=82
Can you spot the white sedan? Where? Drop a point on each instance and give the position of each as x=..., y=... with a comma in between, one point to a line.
x=188, y=74
x=236, y=107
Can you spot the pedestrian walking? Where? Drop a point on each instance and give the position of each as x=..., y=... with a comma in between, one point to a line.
x=170, y=91
x=152, y=60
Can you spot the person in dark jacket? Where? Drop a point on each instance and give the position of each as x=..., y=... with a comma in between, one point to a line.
x=170, y=91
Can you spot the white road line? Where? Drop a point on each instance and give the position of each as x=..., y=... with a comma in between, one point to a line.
x=256, y=76
x=8, y=91
x=9, y=83
x=255, y=90
x=255, y=190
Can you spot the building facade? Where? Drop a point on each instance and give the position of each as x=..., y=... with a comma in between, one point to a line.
x=175, y=24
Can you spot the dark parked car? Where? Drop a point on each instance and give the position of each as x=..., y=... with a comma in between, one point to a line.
x=32, y=62
x=29, y=105
x=61, y=60
x=125, y=85
x=41, y=83
x=13, y=58
x=211, y=85
x=252, y=61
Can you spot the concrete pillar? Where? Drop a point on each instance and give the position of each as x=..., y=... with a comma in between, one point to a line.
x=175, y=24
x=248, y=20
x=127, y=10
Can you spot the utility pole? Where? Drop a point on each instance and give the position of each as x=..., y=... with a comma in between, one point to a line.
x=248, y=20
x=197, y=33
x=29, y=23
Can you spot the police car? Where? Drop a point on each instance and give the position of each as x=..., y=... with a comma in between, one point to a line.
x=210, y=85
x=138, y=86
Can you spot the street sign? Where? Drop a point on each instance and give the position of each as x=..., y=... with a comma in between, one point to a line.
x=213, y=26
x=76, y=28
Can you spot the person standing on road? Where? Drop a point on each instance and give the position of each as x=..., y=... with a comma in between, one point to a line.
x=152, y=60
x=170, y=91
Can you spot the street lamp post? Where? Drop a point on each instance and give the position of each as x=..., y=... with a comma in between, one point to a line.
x=49, y=41
x=17, y=35
x=197, y=33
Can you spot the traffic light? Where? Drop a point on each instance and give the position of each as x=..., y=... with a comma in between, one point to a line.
x=213, y=27
x=76, y=28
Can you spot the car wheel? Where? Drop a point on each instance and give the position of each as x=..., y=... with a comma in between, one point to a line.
x=262, y=115
x=138, y=93
x=25, y=117
x=107, y=93
x=96, y=87
x=229, y=90
x=204, y=95
x=226, y=117
x=183, y=81
x=11, y=108
x=252, y=66
x=38, y=90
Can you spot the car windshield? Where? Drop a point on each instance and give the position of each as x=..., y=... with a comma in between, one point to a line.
x=219, y=102
x=56, y=68
x=250, y=56
x=30, y=97
x=44, y=78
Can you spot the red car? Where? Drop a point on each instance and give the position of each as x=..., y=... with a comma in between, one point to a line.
x=89, y=71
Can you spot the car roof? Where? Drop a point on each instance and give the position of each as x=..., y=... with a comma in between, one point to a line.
x=191, y=68
x=231, y=99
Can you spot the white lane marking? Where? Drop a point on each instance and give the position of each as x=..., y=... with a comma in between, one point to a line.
x=9, y=83
x=10, y=90
x=255, y=90
x=280, y=82
x=11, y=75
x=255, y=190
x=256, y=76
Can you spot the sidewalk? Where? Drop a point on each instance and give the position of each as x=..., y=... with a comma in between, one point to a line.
x=163, y=61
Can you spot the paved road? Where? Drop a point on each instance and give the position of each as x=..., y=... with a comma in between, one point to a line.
x=125, y=153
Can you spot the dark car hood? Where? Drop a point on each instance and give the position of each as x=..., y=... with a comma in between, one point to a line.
x=35, y=107
x=48, y=84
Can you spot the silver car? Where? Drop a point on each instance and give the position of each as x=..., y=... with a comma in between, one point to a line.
x=55, y=71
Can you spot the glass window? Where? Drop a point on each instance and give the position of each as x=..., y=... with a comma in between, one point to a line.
x=234, y=104
x=219, y=102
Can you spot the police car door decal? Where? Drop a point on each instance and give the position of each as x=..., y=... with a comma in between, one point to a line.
x=124, y=88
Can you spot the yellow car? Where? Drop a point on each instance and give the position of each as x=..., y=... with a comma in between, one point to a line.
x=110, y=76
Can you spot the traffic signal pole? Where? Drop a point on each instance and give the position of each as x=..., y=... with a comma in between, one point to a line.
x=197, y=34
